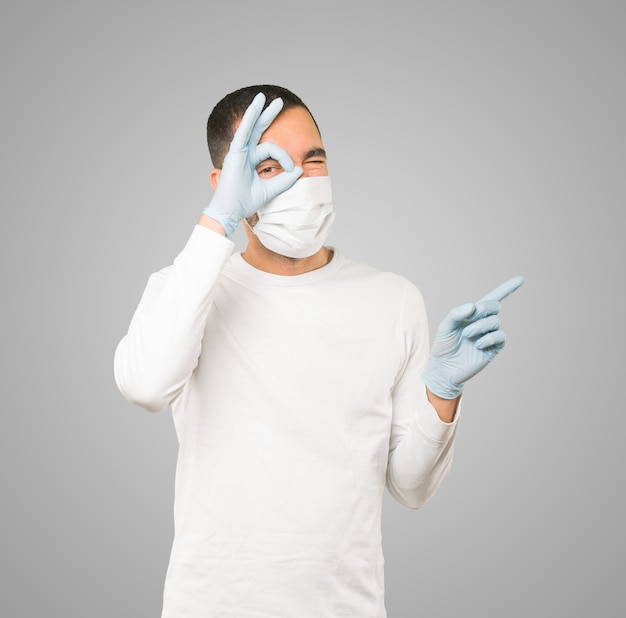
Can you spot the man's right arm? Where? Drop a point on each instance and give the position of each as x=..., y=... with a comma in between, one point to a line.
x=211, y=224
x=157, y=356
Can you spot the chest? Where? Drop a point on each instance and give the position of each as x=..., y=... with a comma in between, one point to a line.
x=330, y=338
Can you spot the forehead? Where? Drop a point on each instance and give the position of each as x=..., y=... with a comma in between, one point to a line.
x=293, y=126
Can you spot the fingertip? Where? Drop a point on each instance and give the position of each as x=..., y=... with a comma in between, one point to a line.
x=466, y=310
x=482, y=326
x=517, y=281
x=487, y=307
x=462, y=312
x=288, y=165
x=273, y=109
x=258, y=98
x=292, y=176
x=494, y=340
x=256, y=107
x=284, y=180
x=504, y=289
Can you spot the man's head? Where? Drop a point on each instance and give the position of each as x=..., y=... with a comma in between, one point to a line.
x=226, y=114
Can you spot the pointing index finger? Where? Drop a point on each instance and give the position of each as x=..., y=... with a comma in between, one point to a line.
x=504, y=289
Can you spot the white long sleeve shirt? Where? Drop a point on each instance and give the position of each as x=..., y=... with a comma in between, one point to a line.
x=295, y=401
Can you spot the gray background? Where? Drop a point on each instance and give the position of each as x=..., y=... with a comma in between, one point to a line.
x=468, y=142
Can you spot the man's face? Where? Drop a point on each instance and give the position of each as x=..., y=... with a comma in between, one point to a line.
x=295, y=132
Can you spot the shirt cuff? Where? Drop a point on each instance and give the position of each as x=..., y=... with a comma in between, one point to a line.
x=430, y=424
x=205, y=250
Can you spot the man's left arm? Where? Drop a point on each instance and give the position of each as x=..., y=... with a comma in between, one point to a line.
x=426, y=396
x=445, y=408
x=421, y=440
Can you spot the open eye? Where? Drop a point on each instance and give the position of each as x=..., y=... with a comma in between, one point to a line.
x=267, y=169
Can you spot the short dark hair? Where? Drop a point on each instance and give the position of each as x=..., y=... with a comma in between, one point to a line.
x=220, y=127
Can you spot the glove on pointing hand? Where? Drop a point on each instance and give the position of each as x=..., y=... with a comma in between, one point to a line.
x=240, y=192
x=467, y=340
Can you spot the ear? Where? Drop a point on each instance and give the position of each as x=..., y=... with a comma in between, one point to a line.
x=214, y=177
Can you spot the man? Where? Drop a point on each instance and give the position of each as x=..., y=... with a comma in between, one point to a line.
x=301, y=383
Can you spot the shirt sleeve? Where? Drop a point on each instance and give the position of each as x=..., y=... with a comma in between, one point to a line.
x=156, y=357
x=421, y=444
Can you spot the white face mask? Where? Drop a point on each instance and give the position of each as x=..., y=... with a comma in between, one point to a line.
x=297, y=221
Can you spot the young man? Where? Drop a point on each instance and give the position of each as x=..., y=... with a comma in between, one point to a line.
x=301, y=383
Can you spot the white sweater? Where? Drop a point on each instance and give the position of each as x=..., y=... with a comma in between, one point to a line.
x=295, y=400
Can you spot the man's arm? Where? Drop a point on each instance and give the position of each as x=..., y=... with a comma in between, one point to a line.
x=160, y=351
x=211, y=224
x=426, y=410
x=422, y=436
x=445, y=408
x=155, y=359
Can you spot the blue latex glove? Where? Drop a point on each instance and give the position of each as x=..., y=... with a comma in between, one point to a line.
x=467, y=340
x=240, y=192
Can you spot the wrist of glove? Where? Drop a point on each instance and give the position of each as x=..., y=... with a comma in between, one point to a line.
x=437, y=378
x=224, y=216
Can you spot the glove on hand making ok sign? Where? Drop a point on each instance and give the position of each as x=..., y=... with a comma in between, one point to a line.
x=240, y=191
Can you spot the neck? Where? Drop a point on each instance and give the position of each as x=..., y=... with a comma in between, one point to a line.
x=263, y=259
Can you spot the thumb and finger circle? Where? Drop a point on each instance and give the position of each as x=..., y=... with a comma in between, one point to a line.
x=269, y=150
x=281, y=182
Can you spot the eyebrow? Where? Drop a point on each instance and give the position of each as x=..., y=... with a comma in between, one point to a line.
x=314, y=152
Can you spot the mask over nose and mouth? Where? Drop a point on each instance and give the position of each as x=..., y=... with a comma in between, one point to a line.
x=296, y=222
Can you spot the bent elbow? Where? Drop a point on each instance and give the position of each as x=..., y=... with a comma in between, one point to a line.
x=140, y=390
x=150, y=405
x=142, y=394
x=413, y=499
